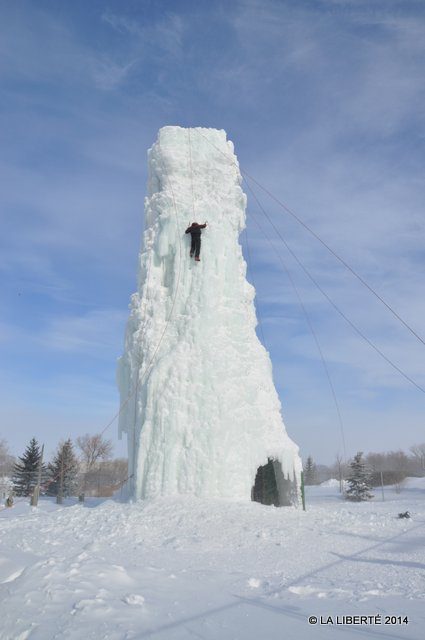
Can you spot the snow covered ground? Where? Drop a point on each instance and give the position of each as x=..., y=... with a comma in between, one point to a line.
x=213, y=569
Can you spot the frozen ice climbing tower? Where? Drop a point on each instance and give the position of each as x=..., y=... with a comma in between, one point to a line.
x=199, y=406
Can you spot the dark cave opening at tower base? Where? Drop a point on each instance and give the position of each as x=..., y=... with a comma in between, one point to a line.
x=270, y=486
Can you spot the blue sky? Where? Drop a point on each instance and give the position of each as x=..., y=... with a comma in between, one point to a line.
x=324, y=102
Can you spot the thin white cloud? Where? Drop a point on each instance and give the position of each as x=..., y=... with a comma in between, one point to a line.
x=110, y=75
x=97, y=333
x=92, y=332
x=122, y=24
x=63, y=56
x=151, y=38
x=365, y=82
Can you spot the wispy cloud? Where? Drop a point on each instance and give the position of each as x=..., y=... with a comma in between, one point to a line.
x=90, y=333
x=166, y=31
x=108, y=74
x=122, y=24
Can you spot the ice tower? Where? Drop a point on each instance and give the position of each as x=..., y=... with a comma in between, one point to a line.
x=199, y=406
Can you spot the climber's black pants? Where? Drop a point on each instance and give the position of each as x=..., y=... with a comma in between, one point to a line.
x=195, y=245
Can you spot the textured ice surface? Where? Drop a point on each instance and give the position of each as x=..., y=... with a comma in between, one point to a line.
x=201, y=411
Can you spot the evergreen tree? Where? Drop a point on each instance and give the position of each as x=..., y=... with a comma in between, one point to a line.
x=65, y=462
x=359, y=480
x=310, y=472
x=25, y=473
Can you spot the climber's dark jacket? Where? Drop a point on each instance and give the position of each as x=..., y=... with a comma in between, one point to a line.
x=195, y=229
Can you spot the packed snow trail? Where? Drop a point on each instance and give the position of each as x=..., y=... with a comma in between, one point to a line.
x=176, y=568
x=200, y=408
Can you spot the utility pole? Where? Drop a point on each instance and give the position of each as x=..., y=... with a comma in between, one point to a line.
x=36, y=492
x=59, y=497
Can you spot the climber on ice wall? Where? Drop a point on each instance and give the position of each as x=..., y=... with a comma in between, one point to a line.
x=195, y=231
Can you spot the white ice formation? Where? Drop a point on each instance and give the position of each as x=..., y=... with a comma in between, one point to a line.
x=199, y=405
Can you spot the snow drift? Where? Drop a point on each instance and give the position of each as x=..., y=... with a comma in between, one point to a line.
x=199, y=406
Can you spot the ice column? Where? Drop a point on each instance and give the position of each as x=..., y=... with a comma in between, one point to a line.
x=199, y=406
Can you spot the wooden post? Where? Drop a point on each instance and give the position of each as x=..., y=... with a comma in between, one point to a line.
x=36, y=492
x=83, y=488
x=59, y=497
x=302, y=490
x=382, y=486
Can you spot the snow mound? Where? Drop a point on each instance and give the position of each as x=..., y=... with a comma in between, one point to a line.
x=332, y=482
x=415, y=483
x=181, y=567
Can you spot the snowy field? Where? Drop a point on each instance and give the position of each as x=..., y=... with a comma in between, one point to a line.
x=213, y=569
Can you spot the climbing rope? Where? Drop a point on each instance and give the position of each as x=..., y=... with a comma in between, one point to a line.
x=191, y=175
x=353, y=326
x=245, y=174
x=311, y=329
x=140, y=378
x=341, y=313
x=338, y=257
x=303, y=308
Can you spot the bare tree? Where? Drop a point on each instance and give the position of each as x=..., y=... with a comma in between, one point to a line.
x=6, y=459
x=93, y=449
x=418, y=451
x=340, y=470
x=389, y=468
x=7, y=462
x=108, y=477
x=399, y=462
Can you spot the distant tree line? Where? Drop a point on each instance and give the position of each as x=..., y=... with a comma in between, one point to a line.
x=389, y=468
x=84, y=468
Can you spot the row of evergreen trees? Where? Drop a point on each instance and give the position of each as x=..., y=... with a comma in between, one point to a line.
x=61, y=474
